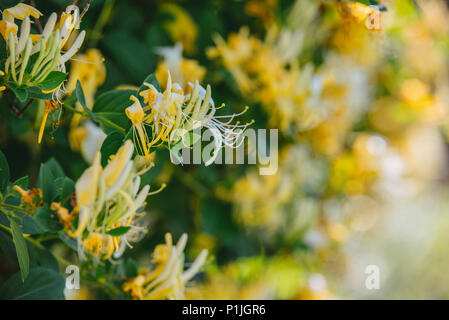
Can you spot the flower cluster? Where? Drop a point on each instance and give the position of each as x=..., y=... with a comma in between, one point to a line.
x=109, y=203
x=168, y=278
x=33, y=56
x=171, y=114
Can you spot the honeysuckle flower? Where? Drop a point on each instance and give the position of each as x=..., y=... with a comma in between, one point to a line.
x=172, y=113
x=180, y=27
x=19, y=12
x=164, y=108
x=86, y=138
x=63, y=214
x=47, y=46
x=50, y=105
x=30, y=198
x=168, y=279
x=136, y=114
x=90, y=70
x=86, y=189
x=108, y=199
x=182, y=70
x=359, y=13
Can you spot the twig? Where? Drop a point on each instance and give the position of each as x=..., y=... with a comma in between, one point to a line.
x=85, y=9
x=37, y=21
x=21, y=112
x=11, y=103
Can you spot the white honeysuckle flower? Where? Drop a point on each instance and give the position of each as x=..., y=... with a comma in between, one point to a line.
x=107, y=199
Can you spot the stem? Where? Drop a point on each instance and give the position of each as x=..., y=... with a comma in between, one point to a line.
x=105, y=14
x=12, y=207
x=11, y=104
x=21, y=112
x=37, y=22
x=112, y=124
x=106, y=121
x=85, y=9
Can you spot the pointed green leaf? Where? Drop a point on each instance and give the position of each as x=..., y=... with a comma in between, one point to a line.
x=21, y=249
x=4, y=172
x=118, y=231
x=52, y=81
x=41, y=284
x=82, y=100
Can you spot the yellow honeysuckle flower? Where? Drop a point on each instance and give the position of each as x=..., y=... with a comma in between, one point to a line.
x=356, y=12
x=90, y=70
x=167, y=280
x=63, y=214
x=118, y=165
x=107, y=199
x=20, y=12
x=181, y=28
x=86, y=193
x=7, y=28
x=136, y=114
x=50, y=105
x=182, y=70
x=172, y=114
x=47, y=46
x=32, y=197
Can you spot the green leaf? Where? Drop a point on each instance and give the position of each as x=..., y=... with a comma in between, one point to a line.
x=118, y=231
x=21, y=249
x=71, y=242
x=36, y=93
x=22, y=182
x=4, y=172
x=130, y=53
x=47, y=220
x=64, y=188
x=82, y=100
x=110, y=108
x=46, y=181
x=55, y=168
x=151, y=79
x=41, y=284
x=28, y=224
x=42, y=257
x=7, y=246
x=110, y=146
x=52, y=81
x=20, y=93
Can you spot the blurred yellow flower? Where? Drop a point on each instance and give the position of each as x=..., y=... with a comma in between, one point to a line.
x=181, y=27
x=168, y=279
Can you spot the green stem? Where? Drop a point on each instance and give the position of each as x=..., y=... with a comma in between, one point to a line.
x=12, y=207
x=112, y=124
x=85, y=114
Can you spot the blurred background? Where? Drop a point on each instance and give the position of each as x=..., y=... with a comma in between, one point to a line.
x=360, y=94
